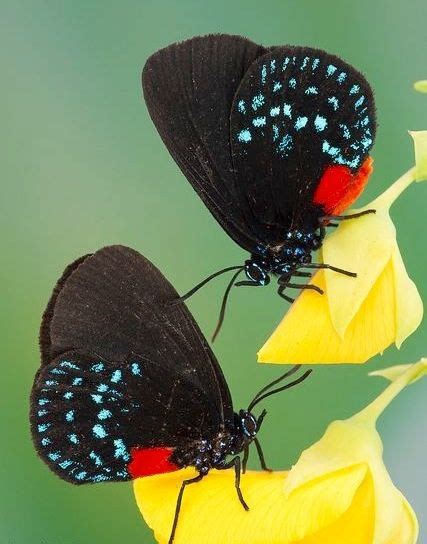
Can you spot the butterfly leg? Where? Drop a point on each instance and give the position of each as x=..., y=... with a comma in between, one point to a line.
x=245, y=458
x=300, y=286
x=179, y=502
x=301, y=274
x=248, y=284
x=236, y=463
x=280, y=290
x=345, y=217
x=261, y=456
x=330, y=267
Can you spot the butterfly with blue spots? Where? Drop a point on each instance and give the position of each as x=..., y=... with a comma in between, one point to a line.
x=128, y=386
x=275, y=140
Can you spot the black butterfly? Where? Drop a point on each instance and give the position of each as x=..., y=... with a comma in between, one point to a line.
x=128, y=386
x=274, y=140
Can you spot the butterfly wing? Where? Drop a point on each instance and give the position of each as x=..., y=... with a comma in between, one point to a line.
x=127, y=373
x=189, y=89
x=302, y=124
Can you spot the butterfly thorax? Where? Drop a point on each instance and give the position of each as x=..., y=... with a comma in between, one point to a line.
x=208, y=453
x=284, y=258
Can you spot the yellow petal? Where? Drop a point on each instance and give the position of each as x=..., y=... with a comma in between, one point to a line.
x=312, y=508
x=421, y=86
x=363, y=245
x=356, y=525
x=407, y=529
x=211, y=511
x=343, y=445
x=420, y=143
x=409, y=306
x=306, y=333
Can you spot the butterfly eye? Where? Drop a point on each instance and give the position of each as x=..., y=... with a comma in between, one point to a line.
x=248, y=424
x=256, y=272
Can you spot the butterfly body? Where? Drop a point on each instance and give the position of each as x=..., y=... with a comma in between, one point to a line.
x=282, y=259
x=214, y=452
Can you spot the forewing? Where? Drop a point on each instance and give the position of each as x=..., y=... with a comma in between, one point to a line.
x=297, y=111
x=44, y=336
x=189, y=89
x=89, y=416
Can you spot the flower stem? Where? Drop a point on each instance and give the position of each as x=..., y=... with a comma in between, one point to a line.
x=370, y=413
x=386, y=199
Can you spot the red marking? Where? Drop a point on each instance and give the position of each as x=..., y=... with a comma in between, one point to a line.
x=338, y=188
x=149, y=461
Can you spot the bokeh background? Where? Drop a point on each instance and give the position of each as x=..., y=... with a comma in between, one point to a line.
x=82, y=166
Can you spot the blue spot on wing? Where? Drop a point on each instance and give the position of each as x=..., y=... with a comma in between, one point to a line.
x=244, y=136
x=320, y=123
x=300, y=122
x=121, y=450
x=242, y=106
x=99, y=431
x=67, y=364
x=312, y=89
x=257, y=101
x=259, y=122
x=136, y=369
x=116, y=376
x=104, y=414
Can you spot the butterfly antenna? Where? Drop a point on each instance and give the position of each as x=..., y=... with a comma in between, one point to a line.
x=278, y=389
x=204, y=282
x=224, y=302
x=276, y=381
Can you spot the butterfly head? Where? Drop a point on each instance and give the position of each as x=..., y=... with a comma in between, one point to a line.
x=247, y=424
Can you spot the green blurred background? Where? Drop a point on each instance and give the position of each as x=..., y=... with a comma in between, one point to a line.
x=82, y=166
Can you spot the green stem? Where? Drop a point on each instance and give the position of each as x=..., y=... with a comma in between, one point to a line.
x=386, y=199
x=370, y=414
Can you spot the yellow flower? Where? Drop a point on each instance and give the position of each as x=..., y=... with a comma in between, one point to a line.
x=421, y=86
x=356, y=318
x=339, y=492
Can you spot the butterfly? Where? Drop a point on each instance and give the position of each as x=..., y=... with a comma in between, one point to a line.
x=128, y=386
x=275, y=141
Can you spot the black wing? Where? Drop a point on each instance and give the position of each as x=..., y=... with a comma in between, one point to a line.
x=253, y=129
x=189, y=89
x=296, y=112
x=124, y=370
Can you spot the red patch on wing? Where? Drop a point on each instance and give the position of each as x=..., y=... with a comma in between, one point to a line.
x=149, y=461
x=338, y=187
